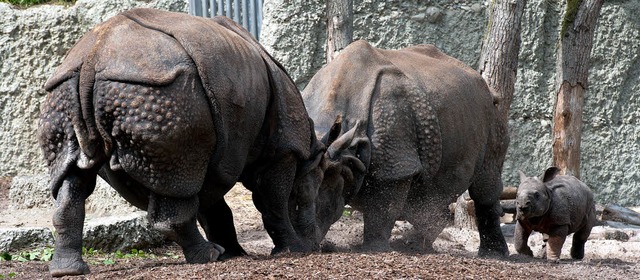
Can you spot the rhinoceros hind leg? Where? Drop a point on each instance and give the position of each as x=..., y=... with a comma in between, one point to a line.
x=68, y=220
x=492, y=242
x=217, y=222
x=68, y=266
x=176, y=218
x=579, y=239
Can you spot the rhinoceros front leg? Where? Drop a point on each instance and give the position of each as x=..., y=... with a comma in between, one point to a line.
x=176, y=218
x=557, y=236
x=217, y=222
x=428, y=213
x=520, y=239
x=68, y=220
x=271, y=197
x=380, y=210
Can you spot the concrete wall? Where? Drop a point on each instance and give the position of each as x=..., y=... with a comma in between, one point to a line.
x=294, y=32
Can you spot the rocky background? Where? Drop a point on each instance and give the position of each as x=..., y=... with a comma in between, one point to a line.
x=294, y=32
x=33, y=42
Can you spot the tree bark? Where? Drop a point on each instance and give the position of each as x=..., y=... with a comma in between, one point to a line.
x=572, y=70
x=339, y=26
x=499, y=57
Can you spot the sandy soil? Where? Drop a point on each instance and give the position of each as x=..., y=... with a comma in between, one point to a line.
x=605, y=258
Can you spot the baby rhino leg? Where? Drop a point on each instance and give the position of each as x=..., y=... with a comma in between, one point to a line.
x=557, y=237
x=579, y=239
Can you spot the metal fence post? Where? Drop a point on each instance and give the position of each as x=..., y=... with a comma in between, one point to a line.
x=248, y=13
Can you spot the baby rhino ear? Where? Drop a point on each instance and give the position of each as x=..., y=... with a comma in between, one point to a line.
x=522, y=176
x=550, y=173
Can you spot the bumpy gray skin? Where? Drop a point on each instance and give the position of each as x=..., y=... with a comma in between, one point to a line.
x=425, y=127
x=172, y=110
x=555, y=205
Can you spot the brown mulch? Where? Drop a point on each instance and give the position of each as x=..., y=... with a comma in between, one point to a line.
x=391, y=265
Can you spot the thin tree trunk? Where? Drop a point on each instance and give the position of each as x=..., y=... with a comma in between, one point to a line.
x=339, y=26
x=572, y=70
x=498, y=66
x=500, y=47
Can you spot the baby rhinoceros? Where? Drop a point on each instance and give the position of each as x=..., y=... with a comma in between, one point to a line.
x=557, y=206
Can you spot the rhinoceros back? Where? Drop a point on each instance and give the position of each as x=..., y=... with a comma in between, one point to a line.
x=147, y=51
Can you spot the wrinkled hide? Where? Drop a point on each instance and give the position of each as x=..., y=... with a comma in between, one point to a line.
x=431, y=132
x=555, y=205
x=172, y=110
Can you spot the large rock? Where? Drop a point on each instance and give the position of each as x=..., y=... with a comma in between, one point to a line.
x=29, y=192
x=107, y=234
x=33, y=42
x=294, y=31
x=111, y=223
x=14, y=239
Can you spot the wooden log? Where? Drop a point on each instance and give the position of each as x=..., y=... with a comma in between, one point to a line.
x=617, y=213
x=508, y=206
x=509, y=193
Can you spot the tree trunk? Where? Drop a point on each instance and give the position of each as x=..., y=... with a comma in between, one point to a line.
x=572, y=69
x=498, y=66
x=339, y=26
x=500, y=47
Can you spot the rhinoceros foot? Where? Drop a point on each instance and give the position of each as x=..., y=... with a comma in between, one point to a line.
x=203, y=253
x=374, y=246
x=230, y=253
x=497, y=251
x=295, y=247
x=61, y=266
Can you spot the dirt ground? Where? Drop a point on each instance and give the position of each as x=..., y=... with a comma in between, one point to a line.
x=605, y=258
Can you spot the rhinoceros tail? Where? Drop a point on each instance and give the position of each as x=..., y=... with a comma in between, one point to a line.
x=84, y=122
x=68, y=133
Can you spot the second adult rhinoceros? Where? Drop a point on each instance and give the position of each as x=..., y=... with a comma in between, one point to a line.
x=425, y=127
x=171, y=110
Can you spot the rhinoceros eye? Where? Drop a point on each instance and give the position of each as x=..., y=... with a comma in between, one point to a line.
x=536, y=196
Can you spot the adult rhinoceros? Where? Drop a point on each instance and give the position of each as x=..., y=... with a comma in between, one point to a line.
x=425, y=127
x=171, y=110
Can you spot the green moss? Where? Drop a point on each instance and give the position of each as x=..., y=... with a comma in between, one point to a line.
x=29, y=3
x=570, y=15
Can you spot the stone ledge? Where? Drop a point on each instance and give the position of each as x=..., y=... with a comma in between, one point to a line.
x=107, y=234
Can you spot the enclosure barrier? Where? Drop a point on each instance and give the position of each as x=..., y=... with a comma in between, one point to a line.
x=248, y=13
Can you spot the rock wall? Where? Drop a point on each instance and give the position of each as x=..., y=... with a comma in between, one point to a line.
x=34, y=41
x=294, y=32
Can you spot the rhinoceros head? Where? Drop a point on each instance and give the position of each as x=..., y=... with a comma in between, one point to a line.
x=347, y=158
x=533, y=196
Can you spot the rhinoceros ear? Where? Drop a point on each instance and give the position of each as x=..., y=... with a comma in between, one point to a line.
x=523, y=177
x=550, y=173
